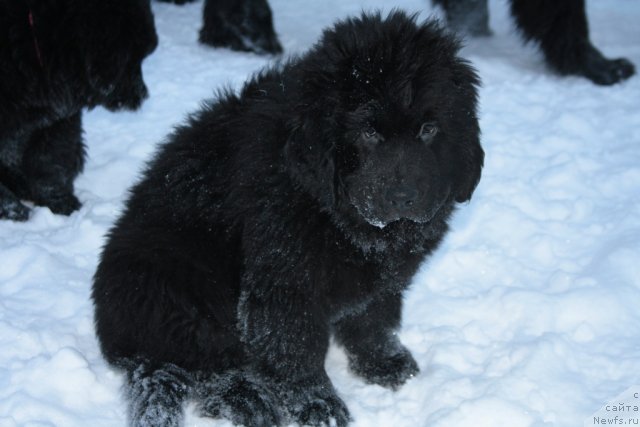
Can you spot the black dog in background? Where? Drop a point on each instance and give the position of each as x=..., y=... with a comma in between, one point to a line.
x=244, y=25
x=559, y=27
x=56, y=58
x=296, y=210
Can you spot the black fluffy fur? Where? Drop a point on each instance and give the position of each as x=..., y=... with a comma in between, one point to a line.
x=296, y=210
x=244, y=25
x=560, y=28
x=56, y=58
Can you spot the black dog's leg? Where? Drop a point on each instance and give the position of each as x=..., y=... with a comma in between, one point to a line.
x=244, y=25
x=156, y=394
x=288, y=337
x=467, y=16
x=53, y=159
x=374, y=350
x=12, y=183
x=561, y=29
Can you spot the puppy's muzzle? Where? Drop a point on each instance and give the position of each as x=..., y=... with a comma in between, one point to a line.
x=401, y=198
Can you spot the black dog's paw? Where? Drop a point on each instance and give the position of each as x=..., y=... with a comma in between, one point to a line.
x=391, y=369
x=603, y=71
x=177, y=1
x=610, y=71
x=241, y=39
x=316, y=405
x=61, y=204
x=238, y=398
x=13, y=210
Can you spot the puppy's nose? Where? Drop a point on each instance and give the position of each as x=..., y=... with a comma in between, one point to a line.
x=401, y=197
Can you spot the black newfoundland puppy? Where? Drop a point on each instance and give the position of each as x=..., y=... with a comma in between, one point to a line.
x=559, y=27
x=295, y=211
x=56, y=58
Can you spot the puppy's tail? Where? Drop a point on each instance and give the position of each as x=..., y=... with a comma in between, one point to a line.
x=156, y=394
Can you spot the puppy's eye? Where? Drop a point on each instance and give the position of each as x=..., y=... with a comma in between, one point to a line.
x=427, y=131
x=369, y=134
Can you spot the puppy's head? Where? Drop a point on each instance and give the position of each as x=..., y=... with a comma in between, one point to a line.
x=117, y=36
x=387, y=127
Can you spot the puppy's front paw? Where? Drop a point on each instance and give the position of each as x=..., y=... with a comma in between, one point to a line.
x=239, y=398
x=316, y=405
x=388, y=369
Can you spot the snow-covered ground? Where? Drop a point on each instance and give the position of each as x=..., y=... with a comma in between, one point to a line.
x=528, y=315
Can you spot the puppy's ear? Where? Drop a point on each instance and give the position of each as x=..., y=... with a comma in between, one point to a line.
x=310, y=158
x=469, y=167
x=469, y=153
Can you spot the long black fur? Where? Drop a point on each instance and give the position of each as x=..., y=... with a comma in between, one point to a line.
x=56, y=58
x=297, y=210
x=560, y=28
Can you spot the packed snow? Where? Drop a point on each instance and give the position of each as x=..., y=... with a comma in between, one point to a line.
x=527, y=316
